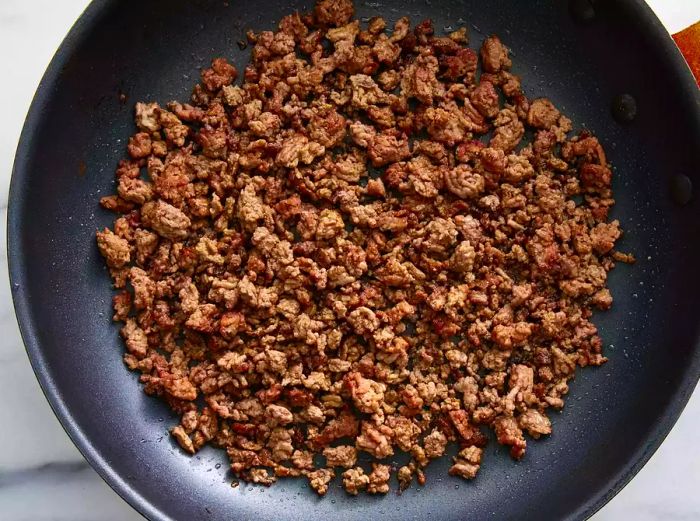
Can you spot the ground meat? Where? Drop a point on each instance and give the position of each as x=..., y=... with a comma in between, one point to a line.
x=179, y=387
x=508, y=132
x=327, y=259
x=334, y=12
x=146, y=116
x=461, y=64
x=220, y=74
x=379, y=479
x=466, y=463
x=485, y=98
x=518, y=169
x=355, y=480
x=363, y=320
x=139, y=145
x=508, y=336
x=261, y=476
x=425, y=178
x=375, y=441
x=604, y=235
x=442, y=126
x=367, y=394
x=182, y=439
x=434, y=444
x=463, y=182
x=542, y=114
x=319, y=480
x=278, y=415
x=509, y=433
x=113, y=248
x=135, y=339
x=494, y=55
x=602, y=299
x=535, y=423
x=328, y=128
x=330, y=224
x=134, y=190
x=144, y=288
x=388, y=147
x=420, y=80
x=342, y=456
x=166, y=220
x=298, y=149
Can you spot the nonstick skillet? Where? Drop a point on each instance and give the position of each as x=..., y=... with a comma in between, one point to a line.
x=591, y=58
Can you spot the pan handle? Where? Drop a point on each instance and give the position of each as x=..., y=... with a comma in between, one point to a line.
x=688, y=41
x=682, y=20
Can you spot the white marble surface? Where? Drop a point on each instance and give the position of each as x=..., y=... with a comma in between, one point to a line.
x=42, y=475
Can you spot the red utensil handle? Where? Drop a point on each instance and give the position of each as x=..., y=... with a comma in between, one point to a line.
x=688, y=41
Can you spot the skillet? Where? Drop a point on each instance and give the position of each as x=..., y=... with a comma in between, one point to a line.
x=582, y=55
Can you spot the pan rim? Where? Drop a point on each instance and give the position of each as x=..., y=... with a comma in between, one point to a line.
x=90, y=16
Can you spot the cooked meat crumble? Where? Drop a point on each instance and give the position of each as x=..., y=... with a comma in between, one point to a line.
x=355, y=250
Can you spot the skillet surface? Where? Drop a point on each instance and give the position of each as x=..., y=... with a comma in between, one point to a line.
x=616, y=416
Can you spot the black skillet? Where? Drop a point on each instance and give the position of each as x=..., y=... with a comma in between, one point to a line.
x=581, y=55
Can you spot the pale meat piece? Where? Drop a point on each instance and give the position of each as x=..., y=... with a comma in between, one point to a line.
x=113, y=248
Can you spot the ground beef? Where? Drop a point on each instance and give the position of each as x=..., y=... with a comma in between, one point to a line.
x=355, y=480
x=328, y=259
x=113, y=248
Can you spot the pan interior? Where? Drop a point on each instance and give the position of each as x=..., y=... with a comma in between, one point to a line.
x=615, y=415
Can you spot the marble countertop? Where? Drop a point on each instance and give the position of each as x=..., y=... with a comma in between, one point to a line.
x=42, y=475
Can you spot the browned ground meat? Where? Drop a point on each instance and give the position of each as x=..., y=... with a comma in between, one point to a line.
x=332, y=257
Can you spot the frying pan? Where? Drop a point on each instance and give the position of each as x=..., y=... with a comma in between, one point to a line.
x=581, y=55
